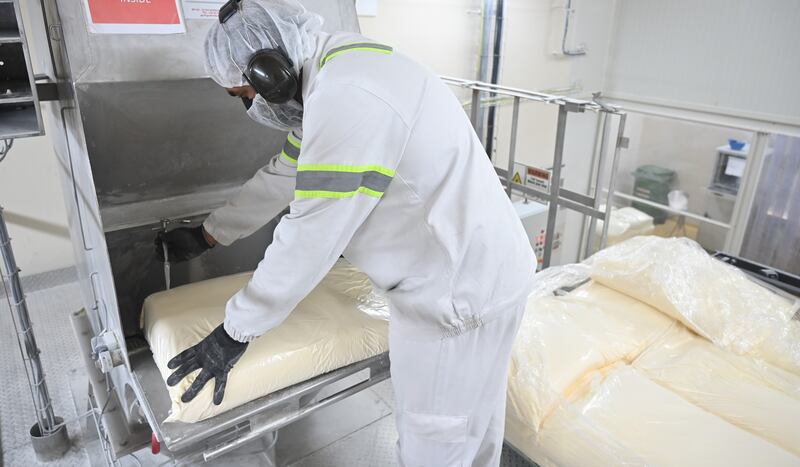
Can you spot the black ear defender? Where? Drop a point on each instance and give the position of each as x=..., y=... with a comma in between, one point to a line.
x=269, y=71
x=272, y=75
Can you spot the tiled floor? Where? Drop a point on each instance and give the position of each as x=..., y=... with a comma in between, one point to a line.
x=51, y=298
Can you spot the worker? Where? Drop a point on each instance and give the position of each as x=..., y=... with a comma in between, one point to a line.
x=382, y=166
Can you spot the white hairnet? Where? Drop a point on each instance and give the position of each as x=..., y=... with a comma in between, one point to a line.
x=260, y=24
x=263, y=24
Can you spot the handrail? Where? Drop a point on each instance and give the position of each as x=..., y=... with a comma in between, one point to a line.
x=531, y=95
x=554, y=194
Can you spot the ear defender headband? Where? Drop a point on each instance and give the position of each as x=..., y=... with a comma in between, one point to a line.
x=269, y=71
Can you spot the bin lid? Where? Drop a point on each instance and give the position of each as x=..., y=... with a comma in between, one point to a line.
x=655, y=172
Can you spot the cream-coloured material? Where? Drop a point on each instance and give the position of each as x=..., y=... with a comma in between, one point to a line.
x=625, y=223
x=713, y=299
x=759, y=398
x=563, y=338
x=338, y=323
x=626, y=419
x=599, y=377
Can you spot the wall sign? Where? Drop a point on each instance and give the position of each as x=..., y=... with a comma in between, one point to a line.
x=202, y=9
x=134, y=17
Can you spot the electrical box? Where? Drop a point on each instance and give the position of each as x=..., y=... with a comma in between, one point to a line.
x=533, y=215
x=20, y=115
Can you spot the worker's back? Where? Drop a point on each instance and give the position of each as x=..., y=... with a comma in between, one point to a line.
x=444, y=240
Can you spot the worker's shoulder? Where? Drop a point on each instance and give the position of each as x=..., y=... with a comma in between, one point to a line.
x=363, y=65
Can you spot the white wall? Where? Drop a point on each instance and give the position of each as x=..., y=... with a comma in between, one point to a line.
x=735, y=57
x=30, y=192
x=442, y=34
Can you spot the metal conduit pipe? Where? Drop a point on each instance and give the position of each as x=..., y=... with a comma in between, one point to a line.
x=499, y=18
x=483, y=63
x=581, y=49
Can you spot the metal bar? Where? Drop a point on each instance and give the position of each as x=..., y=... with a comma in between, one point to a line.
x=664, y=207
x=590, y=186
x=528, y=95
x=588, y=238
x=474, y=109
x=548, y=197
x=577, y=197
x=214, y=453
x=512, y=150
x=745, y=199
x=47, y=91
x=75, y=194
x=555, y=186
x=612, y=178
x=30, y=351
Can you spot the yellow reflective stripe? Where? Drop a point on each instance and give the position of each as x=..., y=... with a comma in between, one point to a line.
x=293, y=141
x=288, y=157
x=302, y=194
x=345, y=168
x=367, y=47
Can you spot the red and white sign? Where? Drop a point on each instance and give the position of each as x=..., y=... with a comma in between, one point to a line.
x=134, y=16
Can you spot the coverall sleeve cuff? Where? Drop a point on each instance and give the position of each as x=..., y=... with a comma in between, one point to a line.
x=218, y=233
x=237, y=334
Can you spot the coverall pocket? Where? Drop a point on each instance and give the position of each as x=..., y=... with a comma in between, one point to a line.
x=430, y=440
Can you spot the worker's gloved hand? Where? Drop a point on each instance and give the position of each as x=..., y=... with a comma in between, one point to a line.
x=214, y=356
x=183, y=244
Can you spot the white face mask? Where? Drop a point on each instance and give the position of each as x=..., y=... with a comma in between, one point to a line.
x=284, y=117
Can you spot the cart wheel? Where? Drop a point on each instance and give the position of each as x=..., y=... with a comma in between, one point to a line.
x=155, y=446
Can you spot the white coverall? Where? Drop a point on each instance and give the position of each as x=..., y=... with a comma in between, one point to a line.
x=392, y=176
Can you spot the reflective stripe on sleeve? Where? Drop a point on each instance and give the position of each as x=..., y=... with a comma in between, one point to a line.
x=341, y=181
x=291, y=149
x=362, y=46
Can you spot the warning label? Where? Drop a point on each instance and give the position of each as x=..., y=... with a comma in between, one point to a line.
x=519, y=174
x=539, y=178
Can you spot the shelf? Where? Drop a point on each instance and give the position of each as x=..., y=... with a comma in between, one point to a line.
x=9, y=36
x=15, y=92
x=18, y=122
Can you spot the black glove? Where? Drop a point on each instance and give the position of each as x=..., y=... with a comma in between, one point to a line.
x=214, y=356
x=183, y=244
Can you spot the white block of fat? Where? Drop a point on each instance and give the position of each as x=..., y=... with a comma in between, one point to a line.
x=627, y=419
x=561, y=339
x=748, y=393
x=713, y=299
x=340, y=322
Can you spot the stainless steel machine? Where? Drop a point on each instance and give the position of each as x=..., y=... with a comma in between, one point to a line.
x=145, y=139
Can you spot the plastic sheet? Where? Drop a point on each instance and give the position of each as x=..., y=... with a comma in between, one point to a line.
x=605, y=375
x=648, y=425
x=713, y=299
x=561, y=339
x=340, y=322
x=627, y=222
x=764, y=401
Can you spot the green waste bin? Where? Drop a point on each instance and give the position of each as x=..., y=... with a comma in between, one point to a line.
x=653, y=183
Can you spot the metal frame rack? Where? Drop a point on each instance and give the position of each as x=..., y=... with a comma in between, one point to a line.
x=20, y=114
x=556, y=196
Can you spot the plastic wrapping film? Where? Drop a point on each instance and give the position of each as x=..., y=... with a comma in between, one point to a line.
x=625, y=223
x=340, y=322
x=713, y=299
x=762, y=400
x=601, y=377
